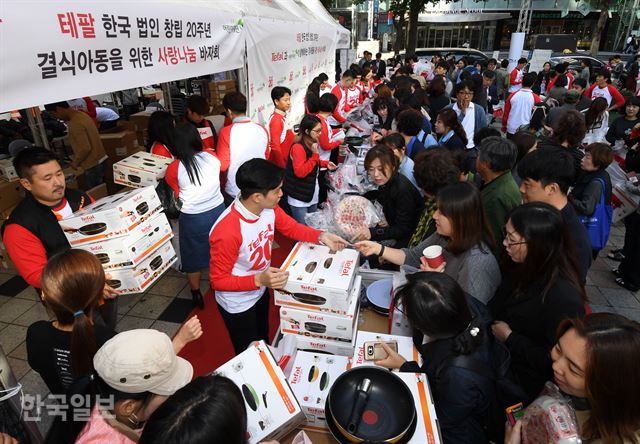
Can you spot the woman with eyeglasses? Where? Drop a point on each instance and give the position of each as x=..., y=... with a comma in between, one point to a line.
x=303, y=166
x=463, y=233
x=541, y=286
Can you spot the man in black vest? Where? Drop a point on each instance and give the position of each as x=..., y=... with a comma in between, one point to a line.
x=32, y=233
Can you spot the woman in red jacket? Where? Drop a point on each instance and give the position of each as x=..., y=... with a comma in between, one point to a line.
x=303, y=165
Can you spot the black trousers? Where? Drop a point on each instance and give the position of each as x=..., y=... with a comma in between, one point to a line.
x=248, y=326
x=631, y=264
x=109, y=312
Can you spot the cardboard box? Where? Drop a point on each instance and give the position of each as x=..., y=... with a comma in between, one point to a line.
x=272, y=408
x=142, y=136
x=7, y=171
x=323, y=325
x=427, y=428
x=139, y=278
x=319, y=279
x=140, y=120
x=112, y=216
x=140, y=170
x=98, y=192
x=311, y=378
x=11, y=193
x=405, y=347
x=119, y=145
x=136, y=246
x=222, y=87
x=340, y=348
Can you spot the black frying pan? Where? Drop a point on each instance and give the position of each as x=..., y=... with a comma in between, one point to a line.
x=310, y=267
x=324, y=381
x=327, y=262
x=103, y=258
x=89, y=230
x=142, y=208
x=310, y=299
x=251, y=397
x=114, y=283
x=386, y=413
x=155, y=263
x=315, y=327
x=134, y=178
x=354, y=140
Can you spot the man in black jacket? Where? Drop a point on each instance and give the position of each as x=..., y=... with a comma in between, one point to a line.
x=547, y=174
x=32, y=233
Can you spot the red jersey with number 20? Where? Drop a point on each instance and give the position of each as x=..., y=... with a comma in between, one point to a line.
x=241, y=248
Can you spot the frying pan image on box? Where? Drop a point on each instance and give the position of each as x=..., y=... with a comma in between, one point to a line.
x=114, y=283
x=314, y=372
x=251, y=397
x=133, y=178
x=103, y=258
x=310, y=267
x=310, y=299
x=324, y=381
x=156, y=263
x=315, y=327
x=142, y=208
x=89, y=229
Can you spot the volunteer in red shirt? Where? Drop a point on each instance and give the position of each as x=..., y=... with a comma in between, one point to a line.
x=197, y=108
x=560, y=69
x=241, y=242
x=337, y=118
x=280, y=136
x=515, y=79
x=303, y=167
x=239, y=142
x=329, y=141
x=161, y=129
x=195, y=179
x=604, y=88
x=32, y=233
x=518, y=106
x=325, y=87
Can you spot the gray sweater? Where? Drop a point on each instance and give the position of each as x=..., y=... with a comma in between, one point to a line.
x=476, y=270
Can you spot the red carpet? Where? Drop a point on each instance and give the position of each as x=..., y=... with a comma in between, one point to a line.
x=214, y=347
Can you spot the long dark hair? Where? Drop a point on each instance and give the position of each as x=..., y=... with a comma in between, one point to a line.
x=611, y=381
x=550, y=248
x=312, y=97
x=72, y=283
x=460, y=202
x=208, y=410
x=436, y=305
x=307, y=123
x=161, y=129
x=188, y=145
x=595, y=112
x=450, y=120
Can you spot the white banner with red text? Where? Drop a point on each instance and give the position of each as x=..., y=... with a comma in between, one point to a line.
x=287, y=54
x=53, y=51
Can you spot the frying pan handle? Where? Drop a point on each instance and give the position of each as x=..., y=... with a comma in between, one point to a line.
x=358, y=406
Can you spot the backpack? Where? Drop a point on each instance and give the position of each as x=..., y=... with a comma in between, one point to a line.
x=507, y=391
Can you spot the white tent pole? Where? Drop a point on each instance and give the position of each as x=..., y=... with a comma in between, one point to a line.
x=166, y=92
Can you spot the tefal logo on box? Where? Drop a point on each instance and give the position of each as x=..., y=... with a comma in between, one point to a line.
x=346, y=267
x=295, y=377
x=96, y=247
x=308, y=288
x=312, y=317
x=88, y=218
x=138, y=197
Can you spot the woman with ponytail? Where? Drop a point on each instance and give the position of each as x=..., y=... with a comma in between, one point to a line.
x=449, y=324
x=449, y=130
x=62, y=350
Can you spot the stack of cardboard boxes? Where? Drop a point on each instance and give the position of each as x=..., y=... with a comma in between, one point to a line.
x=129, y=234
x=319, y=304
x=140, y=170
x=216, y=93
x=140, y=121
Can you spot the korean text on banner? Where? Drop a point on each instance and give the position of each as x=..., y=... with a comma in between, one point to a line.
x=86, y=48
x=290, y=54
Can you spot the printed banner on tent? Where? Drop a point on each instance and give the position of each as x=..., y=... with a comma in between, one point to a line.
x=286, y=54
x=62, y=50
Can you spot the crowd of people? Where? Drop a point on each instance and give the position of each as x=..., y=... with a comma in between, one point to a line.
x=507, y=172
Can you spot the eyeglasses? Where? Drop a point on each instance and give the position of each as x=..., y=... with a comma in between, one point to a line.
x=464, y=93
x=506, y=234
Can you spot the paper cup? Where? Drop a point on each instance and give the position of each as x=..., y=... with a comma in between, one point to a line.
x=433, y=255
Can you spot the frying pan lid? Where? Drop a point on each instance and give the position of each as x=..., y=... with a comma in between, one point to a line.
x=390, y=407
x=379, y=293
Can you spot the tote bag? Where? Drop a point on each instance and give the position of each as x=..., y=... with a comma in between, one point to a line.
x=598, y=225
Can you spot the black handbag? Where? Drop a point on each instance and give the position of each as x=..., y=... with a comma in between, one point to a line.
x=170, y=203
